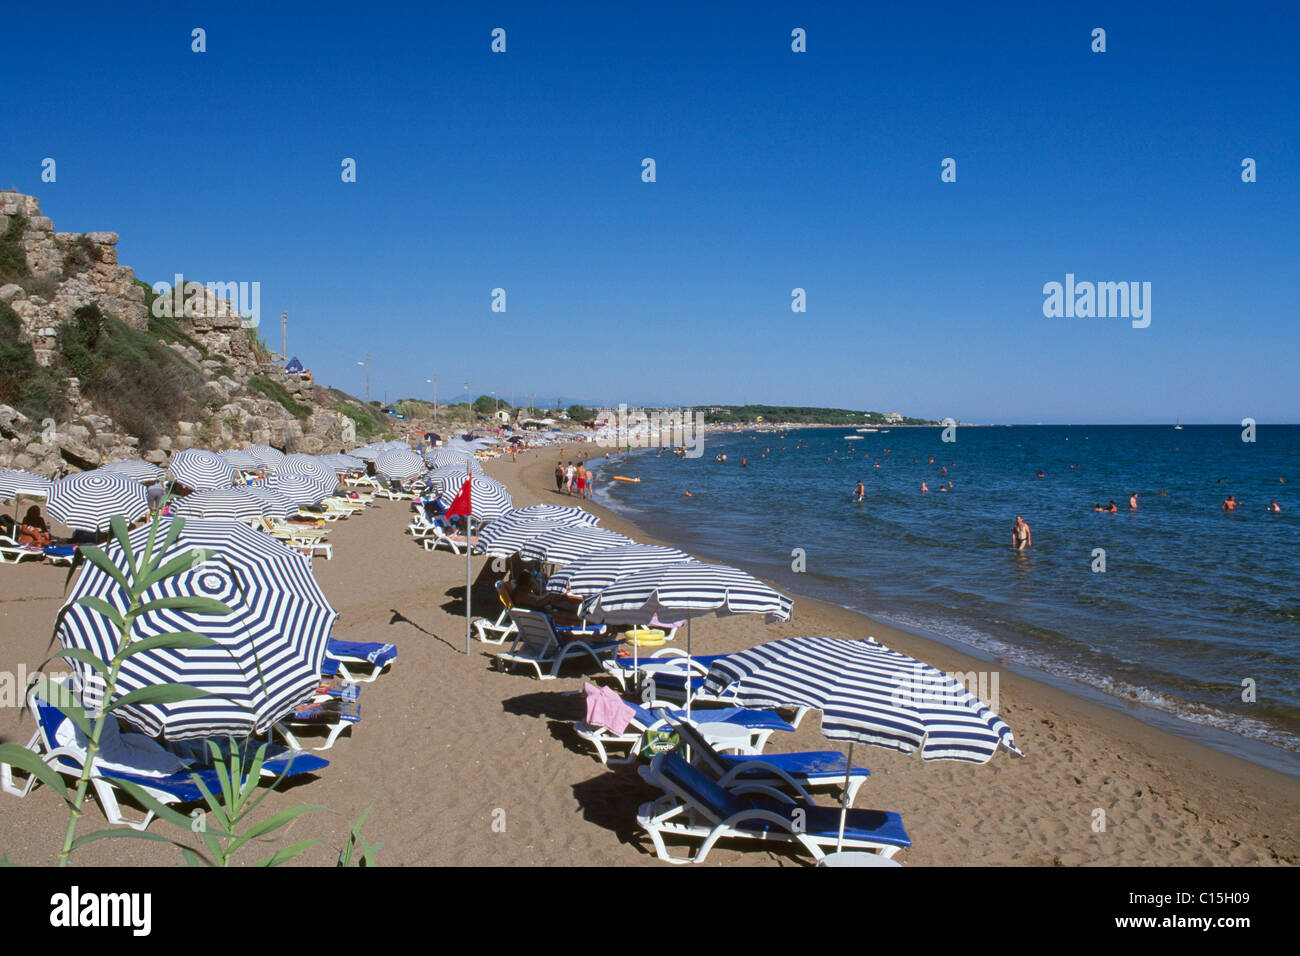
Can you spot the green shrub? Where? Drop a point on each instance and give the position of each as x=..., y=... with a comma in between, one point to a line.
x=13, y=258
x=25, y=384
x=277, y=392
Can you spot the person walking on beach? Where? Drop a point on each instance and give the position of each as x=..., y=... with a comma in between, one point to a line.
x=559, y=476
x=568, y=479
x=1021, y=536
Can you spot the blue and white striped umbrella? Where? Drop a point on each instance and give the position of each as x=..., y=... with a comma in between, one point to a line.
x=134, y=468
x=343, y=464
x=567, y=544
x=443, y=457
x=365, y=453
x=399, y=464
x=502, y=538
x=243, y=460
x=268, y=456
x=201, y=470
x=14, y=483
x=87, y=500
x=300, y=489
x=593, y=573
x=868, y=694
x=273, y=503
x=309, y=466
x=227, y=503
x=268, y=651
x=448, y=478
x=488, y=499
x=565, y=513
x=688, y=588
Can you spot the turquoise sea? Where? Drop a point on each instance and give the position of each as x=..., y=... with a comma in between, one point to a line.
x=1196, y=607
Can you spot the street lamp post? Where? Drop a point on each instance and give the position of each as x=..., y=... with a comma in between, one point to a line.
x=434, y=381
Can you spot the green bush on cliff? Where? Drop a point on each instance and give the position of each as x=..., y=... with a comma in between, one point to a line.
x=130, y=375
x=13, y=258
x=369, y=421
x=25, y=384
x=278, y=393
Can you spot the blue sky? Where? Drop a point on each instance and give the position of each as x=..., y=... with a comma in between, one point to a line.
x=775, y=170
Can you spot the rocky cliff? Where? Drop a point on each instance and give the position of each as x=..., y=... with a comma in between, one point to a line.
x=236, y=390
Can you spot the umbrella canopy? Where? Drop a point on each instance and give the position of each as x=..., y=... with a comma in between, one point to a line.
x=443, y=456
x=201, y=470
x=343, y=464
x=688, y=588
x=134, y=468
x=565, y=513
x=230, y=503
x=489, y=499
x=449, y=478
x=867, y=693
x=273, y=503
x=503, y=537
x=594, y=572
x=567, y=544
x=299, y=489
x=243, y=460
x=365, y=453
x=14, y=483
x=309, y=466
x=268, y=456
x=87, y=500
x=268, y=650
x=398, y=464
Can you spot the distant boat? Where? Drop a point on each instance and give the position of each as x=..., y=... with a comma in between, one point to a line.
x=868, y=431
x=1178, y=425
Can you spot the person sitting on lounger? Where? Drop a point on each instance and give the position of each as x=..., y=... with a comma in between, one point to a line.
x=35, y=533
x=529, y=594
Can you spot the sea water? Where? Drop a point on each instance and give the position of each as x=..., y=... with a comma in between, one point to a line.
x=1195, y=613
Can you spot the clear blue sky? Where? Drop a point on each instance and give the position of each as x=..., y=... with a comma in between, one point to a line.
x=775, y=170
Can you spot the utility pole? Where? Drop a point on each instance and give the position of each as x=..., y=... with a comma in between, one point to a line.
x=366, y=363
x=284, y=337
x=434, y=382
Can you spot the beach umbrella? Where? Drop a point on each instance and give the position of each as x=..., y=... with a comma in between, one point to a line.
x=399, y=465
x=449, y=478
x=688, y=589
x=267, y=653
x=201, y=470
x=343, y=464
x=502, y=538
x=867, y=693
x=309, y=466
x=228, y=503
x=365, y=453
x=566, y=513
x=268, y=456
x=87, y=500
x=134, y=468
x=14, y=483
x=594, y=572
x=243, y=460
x=273, y=503
x=567, y=544
x=300, y=489
x=490, y=498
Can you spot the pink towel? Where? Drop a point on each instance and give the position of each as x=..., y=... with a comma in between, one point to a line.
x=606, y=709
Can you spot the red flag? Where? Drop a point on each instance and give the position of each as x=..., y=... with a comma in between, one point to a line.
x=461, y=505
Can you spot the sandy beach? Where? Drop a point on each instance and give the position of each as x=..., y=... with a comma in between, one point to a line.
x=465, y=765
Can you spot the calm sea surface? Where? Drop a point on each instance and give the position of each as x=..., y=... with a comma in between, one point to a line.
x=1193, y=601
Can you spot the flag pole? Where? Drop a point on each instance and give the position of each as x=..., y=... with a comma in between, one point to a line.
x=469, y=550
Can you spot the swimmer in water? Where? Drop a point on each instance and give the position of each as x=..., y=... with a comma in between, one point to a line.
x=1163, y=493
x=924, y=488
x=1112, y=508
x=1133, y=502
x=689, y=495
x=744, y=462
x=1039, y=475
x=1274, y=507
x=1230, y=503
x=1021, y=536
x=860, y=491
x=1098, y=507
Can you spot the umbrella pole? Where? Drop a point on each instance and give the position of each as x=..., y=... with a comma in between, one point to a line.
x=688, y=667
x=844, y=798
x=469, y=531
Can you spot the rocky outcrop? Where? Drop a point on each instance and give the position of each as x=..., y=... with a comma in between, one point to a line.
x=69, y=270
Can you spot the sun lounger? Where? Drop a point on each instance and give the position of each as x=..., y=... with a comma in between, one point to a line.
x=11, y=552
x=538, y=644
x=332, y=715
x=59, y=554
x=737, y=729
x=503, y=628
x=130, y=757
x=796, y=772
x=437, y=536
x=699, y=809
x=371, y=655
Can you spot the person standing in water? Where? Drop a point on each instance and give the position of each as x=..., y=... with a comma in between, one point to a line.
x=860, y=491
x=1021, y=536
x=1133, y=502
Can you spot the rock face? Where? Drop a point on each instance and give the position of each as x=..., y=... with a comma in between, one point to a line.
x=69, y=270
